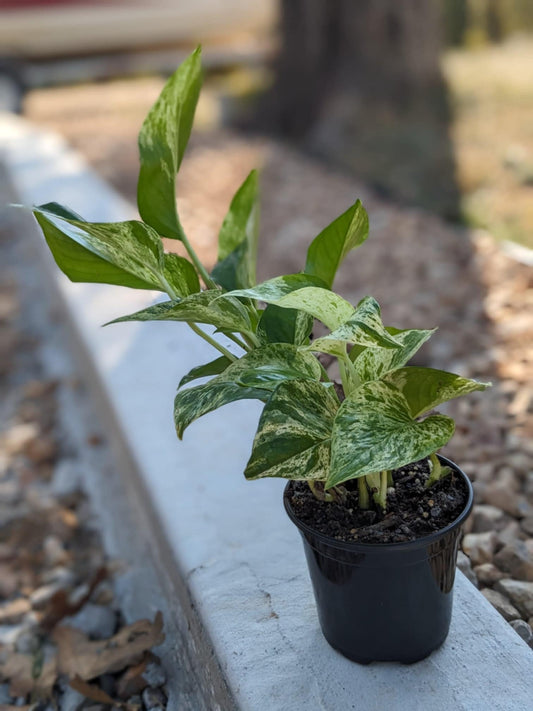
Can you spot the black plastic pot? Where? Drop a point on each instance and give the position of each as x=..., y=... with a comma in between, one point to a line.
x=384, y=602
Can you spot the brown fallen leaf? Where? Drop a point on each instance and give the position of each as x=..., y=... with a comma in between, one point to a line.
x=60, y=605
x=78, y=656
x=132, y=681
x=25, y=676
x=13, y=612
x=91, y=691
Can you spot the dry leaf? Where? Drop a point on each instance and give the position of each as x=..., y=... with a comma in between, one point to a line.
x=19, y=671
x=78, y=656
x=60, y=605
x=132, y=681
x=13, y=612
x=91, y=691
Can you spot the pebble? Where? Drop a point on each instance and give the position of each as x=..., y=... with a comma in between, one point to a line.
x=500, y=495
x=516, y=559
x=96, y=621
x=479, y=547
x=155, y=675
x=520, y=594
x=488, y=574
x=501, y=603
x=71, y=700
x=465, y=566
x=66, y=479
x=54, y=552
x=154, y=699
x=18, y=437
x=509, y=534
x=488, y=518
x=526, y=524
x=524, y=630
x=5, y=698
x=27, y=642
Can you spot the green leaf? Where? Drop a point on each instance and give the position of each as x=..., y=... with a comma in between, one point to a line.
x=215, y=367
x=181, y=275
x=278, y=325
x=373, y=363
x=253, y=376
x=374, y=430
x=162, y=142
x=237, y=240
x=293, y=436
x=426, y=388
x=273, y=290
x=122, y=253
x=224, y=312
x=364, y=328
x=330, y=247
x=61, y=211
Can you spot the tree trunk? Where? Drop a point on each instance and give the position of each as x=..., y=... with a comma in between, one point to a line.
x=360, y=84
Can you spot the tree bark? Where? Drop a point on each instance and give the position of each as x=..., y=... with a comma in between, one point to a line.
x=360, y=84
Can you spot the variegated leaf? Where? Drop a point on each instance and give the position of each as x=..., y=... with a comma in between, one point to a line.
x=273, y=290
x=278, y=325
x=293, y=436
x=373, y=363
x=162, y=142
x=426, y=388
x=181, y=275
x=237, y=240
x=214, y=367
x=331, y=246
x=364, y=328
x=374, y=430
x=226, y=313
x=254, y=376
x=122, y=253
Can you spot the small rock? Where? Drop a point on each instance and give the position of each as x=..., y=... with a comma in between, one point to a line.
x=516, y=559
x=509, y=534
x=488, y=574
x=5, y=698
x=526, y=524
x=519, y=592
x=135, y=701
x=71, y=700
x=18, y=437
x=67, y=477
x=502, y=496
x=479, y=547
x=154, y=699
x=488, y=518
x=155, y=675
x=13, y=612
x=54, y=552
x=501, y=603
x=60, y=575
x=96, y=621
x=27, y=642
x=10, y=492
x=465, y=566
x=523, y=629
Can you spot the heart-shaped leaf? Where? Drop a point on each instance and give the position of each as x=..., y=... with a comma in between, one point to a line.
x=122, y=253
x=294, y=432
x=364, y=328
x=162, y=142
x=374, y=430
x=374, y=363
x=426, y=388
x=226, y=312
x=214, y=367
x=254, y=376
x=331, y=246
x=237, y=240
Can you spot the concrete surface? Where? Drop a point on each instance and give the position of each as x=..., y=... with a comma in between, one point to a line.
x=234, y=551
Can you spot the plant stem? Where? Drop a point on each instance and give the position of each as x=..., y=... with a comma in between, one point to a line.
x=238, y=341
x=383, y=490
x=437, y=470
x=319, y=492
x=390, y=480
x=364, y=500
x=211, y=341
x=202, y=271
x=325, y=375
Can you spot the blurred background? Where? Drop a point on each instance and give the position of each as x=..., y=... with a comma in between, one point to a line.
x=421, y=108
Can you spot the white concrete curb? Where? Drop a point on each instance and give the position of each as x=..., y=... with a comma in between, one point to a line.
x=232, y=543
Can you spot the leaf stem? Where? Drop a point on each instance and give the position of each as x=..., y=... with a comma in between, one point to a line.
x=364, y=500
x=211, y=341
x=202, y=271
x=238, y=341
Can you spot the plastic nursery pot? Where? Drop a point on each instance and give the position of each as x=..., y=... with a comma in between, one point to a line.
x=384, y=602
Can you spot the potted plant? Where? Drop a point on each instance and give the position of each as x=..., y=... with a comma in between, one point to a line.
x=379, y=511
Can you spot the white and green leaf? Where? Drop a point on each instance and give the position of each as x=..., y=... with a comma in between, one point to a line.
x=330, y=247
x=363, y=328
x=214, y=367
x=237, y=240
x=162, y=142
x=254, y=376
x=374, y=363
x=374, y=430
x=180, y=275
x=294, y=432
x=427, y=388
x=123, y=253
x=278, y=325
x=224, y=312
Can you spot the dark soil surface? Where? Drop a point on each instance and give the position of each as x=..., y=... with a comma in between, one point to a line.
x=412, y=510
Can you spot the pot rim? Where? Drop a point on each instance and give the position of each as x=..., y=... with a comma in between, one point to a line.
x=421, y=542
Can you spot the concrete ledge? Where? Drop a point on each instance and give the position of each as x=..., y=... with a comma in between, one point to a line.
x=239, y=569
